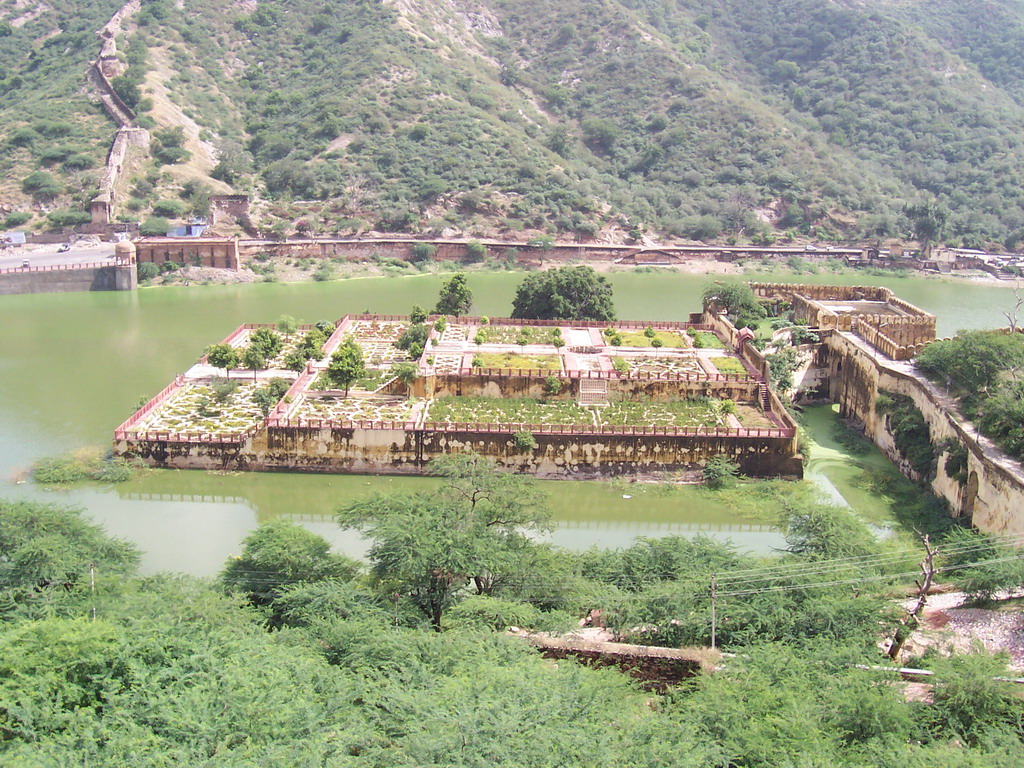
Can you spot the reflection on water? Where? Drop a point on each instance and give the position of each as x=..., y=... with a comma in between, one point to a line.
x=74, y=365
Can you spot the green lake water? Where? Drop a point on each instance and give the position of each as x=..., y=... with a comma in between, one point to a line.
x=73, y=366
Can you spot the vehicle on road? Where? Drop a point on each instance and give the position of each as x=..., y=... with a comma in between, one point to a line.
x=64, y=248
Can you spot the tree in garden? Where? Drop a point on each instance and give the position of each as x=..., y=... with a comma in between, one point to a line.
x=279, y=554
x=738, y=301
x=222, y=356
x=455, y=297
x=418, y=315
x=430, y=546
x=267, y=341
x=254, y=359
x=268, y=396
x=407, y=373
x=287, y=325
x=414, y=340
x=567, y=293
x=346, y=365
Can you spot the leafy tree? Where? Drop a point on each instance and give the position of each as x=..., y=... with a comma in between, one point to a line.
x=288, y=325
x=222, y=356
x=430, y=546
x=346, y=365
x=720, y=471
x=455, y=297
x=254, y=358
x=738, y=301
x=414, y=340
x=268, y=396
x=280, y=554
x=407, y=373
x=566, y=293
x=155, y=227
x=423, y=251
x=41, y=185
x=418, y=315
x=929, y=220
x=147, y=270
x=267, y=341
x=46, y=550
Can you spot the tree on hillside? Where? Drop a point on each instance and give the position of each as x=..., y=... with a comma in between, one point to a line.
x=346, y=365
x=222, y=356
x=928, y=218
x=455, y=297
x=567, y=293
x=430, y=546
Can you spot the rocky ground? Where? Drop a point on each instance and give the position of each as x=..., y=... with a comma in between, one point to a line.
x=951, y=624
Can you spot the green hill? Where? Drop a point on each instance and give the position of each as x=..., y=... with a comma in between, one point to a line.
x=745, y=119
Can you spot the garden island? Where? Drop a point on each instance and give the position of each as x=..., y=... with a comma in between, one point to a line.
x=386, y=393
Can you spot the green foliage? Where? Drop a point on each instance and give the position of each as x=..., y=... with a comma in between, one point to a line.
x=983, y=368
x=168, y=208
x=218, y=355
x=266, y=341
x=45, y=550
x=155, y=227
x=268, y=396
x=346, y=364
x=720, y=471
x=41, y=185
x=429, y=546
x=423, y=252
x=910, y=432
x=287, y=325
x=524, y=441
x=566, y=293
x=455, y=297
x=414, y=339
x=738, y=301
x=16, y=219
x=280, y=554
x=147, y=270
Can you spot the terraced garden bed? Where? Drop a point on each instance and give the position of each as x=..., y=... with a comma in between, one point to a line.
x=377, y=330
x=706, y=340
x=194, y=408
x=510, y=334
x=655, y=365
x=520, y=362
x=501, y=410
x=368, y=383
x=669, y=339
x=679, y=413
x=355, y=409
x=381, y=353
x=728, y=365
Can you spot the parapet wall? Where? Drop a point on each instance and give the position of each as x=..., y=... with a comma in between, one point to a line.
x=85, y=278
x=220, y=252
x=992, y=498
x=407, y=451
x=786, y=292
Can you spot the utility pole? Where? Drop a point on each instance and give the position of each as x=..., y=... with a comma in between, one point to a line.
x=911, y=621
x=714, y=600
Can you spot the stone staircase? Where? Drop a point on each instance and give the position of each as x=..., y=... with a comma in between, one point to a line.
x=766, y=403
x=593, y=392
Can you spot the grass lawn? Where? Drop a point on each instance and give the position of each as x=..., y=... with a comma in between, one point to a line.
x=728, y=365
x=507, y=410
x=702, y=412
x=522, y=362
x=669, y=339
x=708, y=340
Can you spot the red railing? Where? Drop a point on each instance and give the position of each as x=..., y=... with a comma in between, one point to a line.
x=59, y=267
x=161, y=436
x=533, y=373
x=663, y=325
x=144, y=411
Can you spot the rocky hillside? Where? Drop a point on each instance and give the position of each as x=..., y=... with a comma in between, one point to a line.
x=732, y=119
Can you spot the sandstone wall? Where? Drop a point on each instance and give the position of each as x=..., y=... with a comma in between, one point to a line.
x=993, y=496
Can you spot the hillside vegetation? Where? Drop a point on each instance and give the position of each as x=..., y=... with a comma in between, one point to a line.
x=746, y=119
